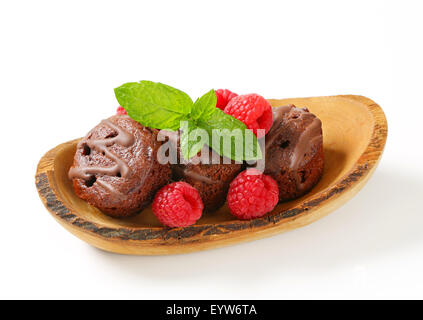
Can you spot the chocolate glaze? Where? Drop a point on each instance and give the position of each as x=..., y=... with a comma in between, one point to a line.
x=312, y=133
x=182, y=172
x=278, y=114
x=183, y=169
x=309, y=136
x=116, y=168
x=121, y=137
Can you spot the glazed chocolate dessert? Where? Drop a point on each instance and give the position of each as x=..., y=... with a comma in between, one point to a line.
x=115, y=166
x=211, y=180
x=294, y=151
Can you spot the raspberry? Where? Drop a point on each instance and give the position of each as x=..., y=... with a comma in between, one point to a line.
x=223, y=97
x=121, y=111
x=178, y=205
x=252, y=109
x=252, y=194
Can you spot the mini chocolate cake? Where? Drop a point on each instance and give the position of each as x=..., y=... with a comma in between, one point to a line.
x=115, y=167
x=294, y=151
x=211, y=180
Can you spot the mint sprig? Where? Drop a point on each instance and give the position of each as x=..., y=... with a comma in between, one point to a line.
x=205, y=106
x=192, y=139
x=160, y=106
x=243, y=143
x=155, y=105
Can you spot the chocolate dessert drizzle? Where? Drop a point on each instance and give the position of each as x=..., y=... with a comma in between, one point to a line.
x=186, y=173
x=181, y=170
x=308, y=138
x=120, y=168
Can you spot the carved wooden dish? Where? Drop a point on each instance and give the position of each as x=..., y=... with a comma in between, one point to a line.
x=354, y=134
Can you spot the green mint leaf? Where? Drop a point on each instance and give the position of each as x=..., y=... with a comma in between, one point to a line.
x=205, y=106
x=192, y=139
x=154, y=104
x=230, y=137
x=160, y=106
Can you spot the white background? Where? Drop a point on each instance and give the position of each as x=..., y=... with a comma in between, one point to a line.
x=59, y=63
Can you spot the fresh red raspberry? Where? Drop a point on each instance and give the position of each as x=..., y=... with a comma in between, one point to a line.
x=178, y=205
x=223, y=97
x=252, y=109
x=252, y=194
x=121, y=111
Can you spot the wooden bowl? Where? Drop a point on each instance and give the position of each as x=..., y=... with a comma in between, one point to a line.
x=354, y=129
